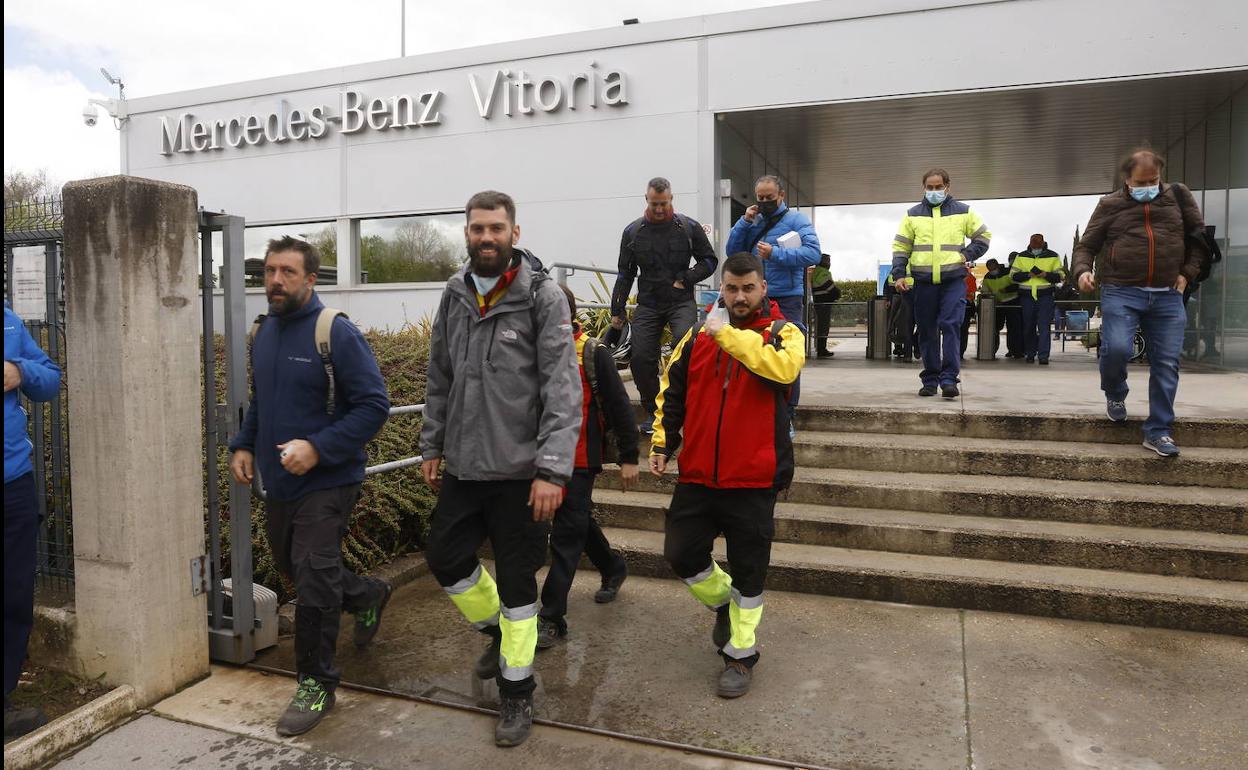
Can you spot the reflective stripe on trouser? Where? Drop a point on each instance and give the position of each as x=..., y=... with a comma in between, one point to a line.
x=745, y=613
x=519, y=626
x=476, y=596
x=711, y=586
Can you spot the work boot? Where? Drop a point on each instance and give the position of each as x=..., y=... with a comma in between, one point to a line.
x=310, y=704
x=734, y=680
x=949, y=391
x=722, y=633
x=646, y=428
x=1044, y=362
x=487, y=664
x=515, y=721
x=927, y=390
x=611, y=585
x=19, y=721
x=549, y=633
x=824, y=354
x=369, y=620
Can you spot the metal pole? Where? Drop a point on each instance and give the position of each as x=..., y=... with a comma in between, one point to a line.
x=59, y=531
x=402, y=27
x=216, y=594
x=244, y=611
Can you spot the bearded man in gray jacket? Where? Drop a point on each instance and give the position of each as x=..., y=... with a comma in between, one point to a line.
x=502, y=411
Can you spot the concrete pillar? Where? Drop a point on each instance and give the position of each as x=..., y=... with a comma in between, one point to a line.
x=133, y=325
x=348, y=231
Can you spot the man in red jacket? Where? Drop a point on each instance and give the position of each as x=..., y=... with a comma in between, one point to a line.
x=729, y=377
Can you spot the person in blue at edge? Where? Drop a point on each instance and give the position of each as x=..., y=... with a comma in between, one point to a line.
x=27, y=372
x=759, y=233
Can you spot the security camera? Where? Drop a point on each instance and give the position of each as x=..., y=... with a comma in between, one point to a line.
x=90, y=114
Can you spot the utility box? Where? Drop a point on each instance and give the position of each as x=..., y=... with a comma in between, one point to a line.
x=266, y=612
x=985, y=336
x=877, y=329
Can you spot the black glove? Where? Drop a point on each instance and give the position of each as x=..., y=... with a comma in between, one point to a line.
x=1036, y=271
x=1019, y=277
x=1054, y=277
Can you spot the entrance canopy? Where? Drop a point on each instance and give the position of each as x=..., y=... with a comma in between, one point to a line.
x=1007, y=143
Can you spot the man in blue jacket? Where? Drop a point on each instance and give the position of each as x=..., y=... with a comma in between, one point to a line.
x=27, y=372
x=759, y=232
x=305, y=431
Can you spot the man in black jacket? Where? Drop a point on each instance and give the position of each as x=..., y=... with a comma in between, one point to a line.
x=660, y=245
x=605, y=406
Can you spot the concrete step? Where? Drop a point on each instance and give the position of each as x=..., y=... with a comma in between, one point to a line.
x=1161, y=552
x=1184, y=603
x=1226, y=433
x=1069, y=460
x=1088, y=502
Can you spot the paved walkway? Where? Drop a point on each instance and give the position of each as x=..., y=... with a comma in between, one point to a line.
x=842, y=683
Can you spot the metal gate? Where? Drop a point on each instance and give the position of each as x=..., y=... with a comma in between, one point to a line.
x=34, y=287
x=232, y=625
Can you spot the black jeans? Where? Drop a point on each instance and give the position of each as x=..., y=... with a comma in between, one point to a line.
x=21, y=532
x=575, y=532
x=305, y=536
x=823, y=322
x=469, y=512
x=648, y=324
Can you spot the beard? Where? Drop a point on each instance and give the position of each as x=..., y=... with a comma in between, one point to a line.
x=742, y=311
x=488, y=266
x=281, y=303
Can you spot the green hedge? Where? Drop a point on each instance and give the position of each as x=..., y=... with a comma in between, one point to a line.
x=394, y=508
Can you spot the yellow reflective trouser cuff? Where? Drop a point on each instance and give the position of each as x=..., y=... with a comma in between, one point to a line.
x=476, y=596
x=711, y=586
x=745, y=613
x=519, y=627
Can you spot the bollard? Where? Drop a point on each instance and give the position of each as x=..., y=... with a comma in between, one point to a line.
x=877, y=329
x=986, y=336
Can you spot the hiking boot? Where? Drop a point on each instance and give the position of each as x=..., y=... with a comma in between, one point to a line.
x=611, y=585
x=927, y=390
x=734, y=680
x=515, y=721
x=549, y=633
x=1031, y=359
x=310, y=704
x=646, y=428
x=1162, y=445
x=487, y=664
x=824, y=354
x=1116, y=410
x=368, y=621
x=1044, y=362
x=19, y=721
x=949, y=391
x=722, y=633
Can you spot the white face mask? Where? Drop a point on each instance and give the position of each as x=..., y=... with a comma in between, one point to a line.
x=484, y=285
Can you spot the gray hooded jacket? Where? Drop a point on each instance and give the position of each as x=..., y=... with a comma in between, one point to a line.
x=503, y=396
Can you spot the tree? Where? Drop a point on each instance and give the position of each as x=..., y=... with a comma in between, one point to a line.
x=23, y=187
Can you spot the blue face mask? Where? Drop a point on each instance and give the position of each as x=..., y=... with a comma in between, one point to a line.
x=484, y=285
x=1037, y=252
x=936, y=197
x=1145, y=194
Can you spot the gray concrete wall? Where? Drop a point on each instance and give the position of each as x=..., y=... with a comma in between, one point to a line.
x=134, y=382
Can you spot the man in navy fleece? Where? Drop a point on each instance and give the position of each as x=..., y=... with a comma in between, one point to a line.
x=305, y=431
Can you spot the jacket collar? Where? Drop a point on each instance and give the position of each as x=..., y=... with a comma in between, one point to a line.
x=522, y=260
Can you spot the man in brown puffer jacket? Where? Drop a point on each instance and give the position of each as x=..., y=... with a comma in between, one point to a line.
x=1148, y=236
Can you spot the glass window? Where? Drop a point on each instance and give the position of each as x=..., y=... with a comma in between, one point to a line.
x=322, y=235
x=413, y=249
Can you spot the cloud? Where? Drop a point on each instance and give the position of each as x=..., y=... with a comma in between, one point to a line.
x=43, y=126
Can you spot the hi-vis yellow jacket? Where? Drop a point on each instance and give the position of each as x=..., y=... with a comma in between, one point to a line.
x=1049, y=265
x=933, y=242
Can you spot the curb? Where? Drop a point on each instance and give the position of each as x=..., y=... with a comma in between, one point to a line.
x=400, y=572
x=69, y=730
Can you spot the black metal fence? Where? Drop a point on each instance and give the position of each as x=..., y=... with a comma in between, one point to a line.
x=34, y=286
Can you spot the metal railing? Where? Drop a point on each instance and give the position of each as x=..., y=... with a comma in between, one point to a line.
x=565, y=270
x=257, y=486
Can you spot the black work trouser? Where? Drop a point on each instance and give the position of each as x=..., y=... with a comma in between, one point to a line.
x=1010, y=318
x=467, y=514
x=823, y=322
x=967, y=317
x=648, y=325
x=574, y=532
x=305, y=536
x=745, y=517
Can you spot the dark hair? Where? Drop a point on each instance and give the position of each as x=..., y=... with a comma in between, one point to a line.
x=571, y=301
x=742, y=263
x=311, y=259
x=1138, y=157
x=490, y=200
x=940, y=172
x=774, y=180
x=659, y=184
x=992, y=261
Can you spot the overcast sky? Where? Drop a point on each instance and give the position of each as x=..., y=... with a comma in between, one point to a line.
x=53, y=50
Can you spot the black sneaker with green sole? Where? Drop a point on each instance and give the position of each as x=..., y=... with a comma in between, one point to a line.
x=306, y=710
x=368, y=621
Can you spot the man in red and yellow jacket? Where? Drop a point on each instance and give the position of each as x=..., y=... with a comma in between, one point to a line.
x=724, y=396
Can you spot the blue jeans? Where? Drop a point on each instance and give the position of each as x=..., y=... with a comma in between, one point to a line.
x=791, y=309
x=1161, y=318
x=938, y=312
x=1037, y=323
